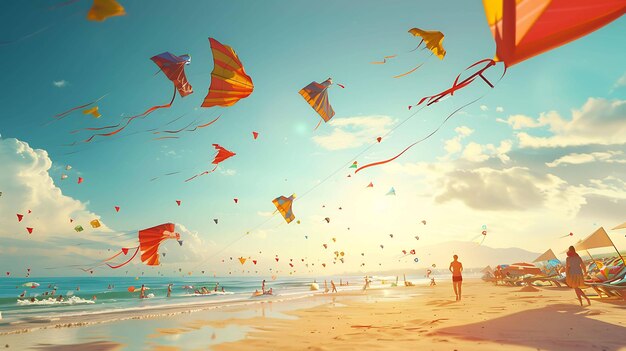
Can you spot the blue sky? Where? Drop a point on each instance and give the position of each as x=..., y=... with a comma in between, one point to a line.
x=284, y=46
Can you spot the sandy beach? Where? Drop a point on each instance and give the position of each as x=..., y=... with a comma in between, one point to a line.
x=488, y=318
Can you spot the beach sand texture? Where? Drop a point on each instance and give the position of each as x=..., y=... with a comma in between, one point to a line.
x=488, y=318
x=401, y=318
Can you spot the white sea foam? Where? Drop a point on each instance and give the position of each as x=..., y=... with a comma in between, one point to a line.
x=74, y=300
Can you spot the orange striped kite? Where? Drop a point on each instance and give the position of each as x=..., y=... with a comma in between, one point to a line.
x=229, y=81
x=316, y=95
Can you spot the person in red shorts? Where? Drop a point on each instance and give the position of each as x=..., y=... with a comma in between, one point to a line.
x=456, y=268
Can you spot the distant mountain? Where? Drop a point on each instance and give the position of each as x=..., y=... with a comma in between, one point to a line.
x=473, y=256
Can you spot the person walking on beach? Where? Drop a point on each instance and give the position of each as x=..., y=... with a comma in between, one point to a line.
x=575, y=271
x=332, y=284
x=456, y=268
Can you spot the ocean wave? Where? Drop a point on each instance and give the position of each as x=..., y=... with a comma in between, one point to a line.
x=74, y=300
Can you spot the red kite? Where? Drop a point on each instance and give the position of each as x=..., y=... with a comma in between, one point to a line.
x=222, y=155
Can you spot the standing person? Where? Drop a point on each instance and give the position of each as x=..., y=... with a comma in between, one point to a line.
x=169, y=289
x=575, y=271
x=456, y=268
x=142, y=292
x=216, y=286
x=263, y=286
x=332, y=284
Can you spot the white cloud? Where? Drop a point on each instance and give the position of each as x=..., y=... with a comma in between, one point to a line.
x=351, y=132
x=473, y=151
x=484, y=108
x=454, y=145
x=26, y=185
x=577, y=159
x=228, y=172
x=60, y=83
x=597, y=122
x=621, y=82
x=499, y=109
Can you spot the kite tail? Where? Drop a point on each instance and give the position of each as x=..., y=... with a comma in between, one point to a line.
x=122, y=264
x=318, y=125
x=418, y=45
x=130, y=119
x=459, y=85
x=64, y=114
x=185, y=129
x=419, y=141
x=201, y=174
x=414, y=69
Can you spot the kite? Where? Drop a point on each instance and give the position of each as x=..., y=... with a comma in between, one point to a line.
x=95, y=223
x=178, y=202
x=523, y=29
x=117, y=209
x=229, y=81
x=283, y=205
x=392, y=191
x=391, y=236
x=316, y=95
x=416, y=259
x=222, y=155
x=30, y=230
x=370, y=185
x=382, y=246
x=354, y=165
x=236, y=200
x=423, y=221
x=92, y=111
x=379, y=139
x=19, y=217
x=150, y=240
x=215, y=220
x=567, y=235
x=103, y=9
x=63, y=176
x=80, y=180
x=433, y=40
x=417, y=237
x=242, y=260
x=174, y=69
x=327, y=219
x=68, y=167
x=255, y=135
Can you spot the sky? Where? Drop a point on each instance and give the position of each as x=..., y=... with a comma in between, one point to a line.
x=540, y=156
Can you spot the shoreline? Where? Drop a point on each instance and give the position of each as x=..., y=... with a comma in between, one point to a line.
x=488, y=318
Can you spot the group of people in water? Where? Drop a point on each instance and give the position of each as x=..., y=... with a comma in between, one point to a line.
x=204, y=290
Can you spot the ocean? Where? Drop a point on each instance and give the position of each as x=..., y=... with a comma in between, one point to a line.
x=112, y=293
